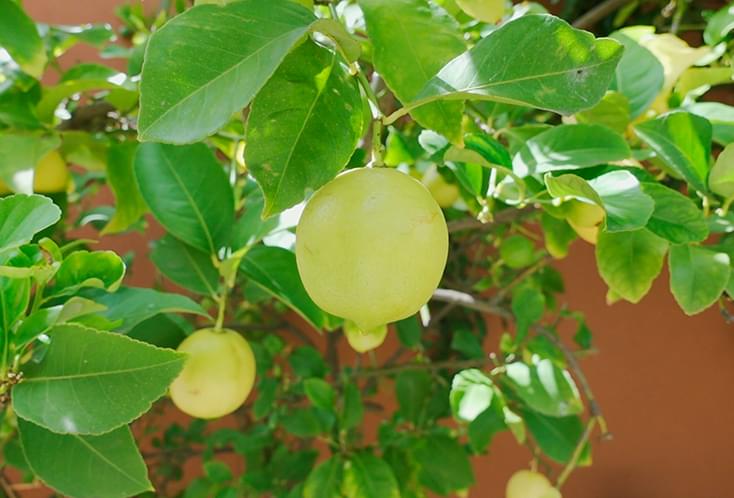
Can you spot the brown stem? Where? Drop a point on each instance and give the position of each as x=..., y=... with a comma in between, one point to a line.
x=598, y=13
x=7, y=487
x=468, y=301
x=438, y=365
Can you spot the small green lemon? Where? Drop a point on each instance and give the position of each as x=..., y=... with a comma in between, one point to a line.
x=445, y=193
x=52, y=174
x=218, y=374
x=371, y=246
x=529, y=484
x=489, y=11
x=363, y=341
x=517, y=251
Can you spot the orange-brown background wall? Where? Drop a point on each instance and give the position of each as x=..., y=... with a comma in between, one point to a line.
x=664, y=381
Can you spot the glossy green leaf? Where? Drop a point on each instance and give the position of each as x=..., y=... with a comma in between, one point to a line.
x=352, y=410
x=721, y=180
x=320, y=393
x=20, y=152
x=108, y=465
x=274, y=270
x=557, y=437
x=23, y=216
x=409, y=331
x=366, y=476
x=627, y=206
x=721, y=117
x=101, y=269
x=612, y=111
x=325, y=480
x=129, y=204
x=444, y=464
x=19, y=36
x=15, y=294
x=132, y=305
x=676, y=218
x=528, y=306
x=412, y=390
x=187, y=192
x=471, y=394
x=683, y=142
x=310, y=97
x=41, y=321
x=698, y=276
x=545, y=388
x=629, y=262
x=185, y=265
x=202, y=66
x=569, y=147
x=719, y=25
x=639, y=75
x=91, y=382
x=412, y=40
x=558, y=235
x=559, y=68
x=250, y=227
x=482, y=429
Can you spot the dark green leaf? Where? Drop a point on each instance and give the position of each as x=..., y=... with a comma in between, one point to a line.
x=444, y=464
x=352, y=409
x=202, y=66
x=412, y=389
x=557, y=437
x=675, y=218
x=107, y=466
x=721, y=117
x=409, y=331
x=320, y=393
x=189, y=267
x=91, y=382
x=366, y=476
x=310, y=97
x=19, y=36
x=325, y=480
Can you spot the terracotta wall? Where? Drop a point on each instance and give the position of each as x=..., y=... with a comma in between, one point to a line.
x=664, y=380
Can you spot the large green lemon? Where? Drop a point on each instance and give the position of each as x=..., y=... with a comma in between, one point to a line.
x=445, y=193
x=529, y=484
x=371, y=246
x=364, y=340
x=218, y=374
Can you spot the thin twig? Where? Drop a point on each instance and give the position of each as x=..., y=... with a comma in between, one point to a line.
x=7, y=487
x=468, y=301
x=438, y=365
x=599, y=12
x=571, y=465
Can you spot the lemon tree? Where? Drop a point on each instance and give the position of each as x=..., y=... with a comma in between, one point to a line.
x=335, y=196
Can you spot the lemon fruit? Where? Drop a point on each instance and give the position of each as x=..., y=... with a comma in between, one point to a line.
x=517, y=251
x=51, y=175
x=585, y=219
x=363, y=341
x=445, y=193
x=371, y=246
x=489, y=11
x=529, y=484
x=218, y=374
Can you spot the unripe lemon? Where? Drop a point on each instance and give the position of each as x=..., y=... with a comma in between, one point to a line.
x=363, y=341
x=218, y=374
x=52, y=174
x=585, y=219
x=371, y=246
x=529, y=484
x=489, y=11
x=445, y=193
x=517, y=251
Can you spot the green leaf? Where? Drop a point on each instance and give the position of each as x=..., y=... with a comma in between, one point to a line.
x=629, y=262
x=132, y=305
x=320, y=393
x=274, y=270
x=563, y=69
x=676, y=218
x=108, y=465
x=485, y=426
x=721, y=117
x=101, y=269
x=15, y=294
x=612, y=111
x=557, y=437
x=471, y=394
x=545, y=388
x=366, y=476
x=24, y=216
x=311, y=96
x=91, y=382
x=639, y=75
x=721, y=180
x=698, y=276
x=569, y=147
x=444, y=464
x=188, y=193
x=719, y=25
x=250, y=228
x=202, y=66
x=683, y=142
x=20, y=152
x=413, y=390
x=558, y=235
x=40, y=321
x=55, y=95
x=187, y=266
x=528, y=306
x=413, y=40
x=129, y=204
x=325, y=480
x=19, y=36
x=307, y=362
x=302, y=422
x=627, y=206
x=352, y=409
x=409, y=331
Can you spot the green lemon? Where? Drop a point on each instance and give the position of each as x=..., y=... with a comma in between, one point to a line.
x=517, y=251
x=529, y=484
x=363, y=341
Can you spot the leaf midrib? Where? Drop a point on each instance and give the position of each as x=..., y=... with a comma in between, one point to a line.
x=99, y=374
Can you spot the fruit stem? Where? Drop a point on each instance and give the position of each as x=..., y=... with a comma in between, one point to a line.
x=222, y=302
x=576, y=453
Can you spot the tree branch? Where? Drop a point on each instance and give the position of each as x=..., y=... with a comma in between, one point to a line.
x=468, y=301
x=598, y=13
x=438, y=365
